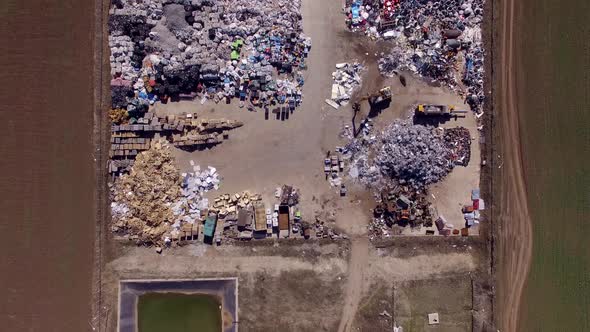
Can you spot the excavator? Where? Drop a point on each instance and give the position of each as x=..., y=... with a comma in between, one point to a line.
x=377, y=102
x=430, y=110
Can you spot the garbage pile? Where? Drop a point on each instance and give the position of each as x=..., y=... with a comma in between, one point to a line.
x=458, y=142
x=153, y=203
x=164, y=49
x=346, y=79
x=412, y=154
x=226, y=206
x=190, y=206
x=428, y=36
x=399, y=207
x=141, y=199
x=403, y=153
x=288, y=195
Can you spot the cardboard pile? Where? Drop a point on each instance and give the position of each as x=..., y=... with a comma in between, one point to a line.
x=141, y=199
x=184, y=131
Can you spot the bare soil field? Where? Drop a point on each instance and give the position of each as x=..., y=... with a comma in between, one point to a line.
x=514, y=224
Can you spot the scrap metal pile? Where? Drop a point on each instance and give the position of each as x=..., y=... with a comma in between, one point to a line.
x=222, y=49
x=429, y=36
x=458, y=142
x=413, y=154
x=398, y=207
x=346, y=79
x=406, y=154
x=184, y=131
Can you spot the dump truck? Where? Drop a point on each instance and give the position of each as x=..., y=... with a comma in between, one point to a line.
x=284, y=221
x=438, y=110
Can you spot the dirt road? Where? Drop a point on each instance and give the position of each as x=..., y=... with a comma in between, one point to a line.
x=354, y=287
x=515, y=230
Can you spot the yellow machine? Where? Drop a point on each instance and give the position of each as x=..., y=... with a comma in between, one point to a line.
x=438, y=110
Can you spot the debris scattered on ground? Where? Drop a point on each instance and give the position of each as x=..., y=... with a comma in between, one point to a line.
x=458, y=142
x=346, y=79
x=431, y=38
x=164, y=49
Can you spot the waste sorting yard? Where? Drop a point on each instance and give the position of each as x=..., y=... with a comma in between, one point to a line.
x=238, y=149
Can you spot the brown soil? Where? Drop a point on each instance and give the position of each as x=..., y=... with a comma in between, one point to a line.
x=514, y=223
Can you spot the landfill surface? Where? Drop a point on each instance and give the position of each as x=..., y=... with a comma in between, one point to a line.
x=436, y=40
x=219, y=50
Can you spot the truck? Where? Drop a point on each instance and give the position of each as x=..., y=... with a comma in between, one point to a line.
x=438, y=110
x=284, y=220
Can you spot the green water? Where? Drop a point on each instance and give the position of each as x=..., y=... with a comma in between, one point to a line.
x=164, y=312
x=554, y=106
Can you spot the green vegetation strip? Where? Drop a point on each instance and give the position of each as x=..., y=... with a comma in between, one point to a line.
x=179, y=312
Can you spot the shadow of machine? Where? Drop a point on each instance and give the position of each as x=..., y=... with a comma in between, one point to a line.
x=434, y=115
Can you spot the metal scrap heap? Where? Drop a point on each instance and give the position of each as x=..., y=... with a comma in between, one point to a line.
x=431, y=38
x=413, y=154
x=458, y=141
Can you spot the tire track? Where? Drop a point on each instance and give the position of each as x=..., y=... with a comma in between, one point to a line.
x=515, y=233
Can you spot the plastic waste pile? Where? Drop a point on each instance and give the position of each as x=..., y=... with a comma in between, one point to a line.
x=222, y=49
x=346, y=79
x=188, y=208
x=432, y=39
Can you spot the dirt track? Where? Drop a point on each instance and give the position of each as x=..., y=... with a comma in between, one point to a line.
x=515, y=229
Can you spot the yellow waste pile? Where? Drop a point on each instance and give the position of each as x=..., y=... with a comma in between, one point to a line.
x=145, y=195
x=228, y=204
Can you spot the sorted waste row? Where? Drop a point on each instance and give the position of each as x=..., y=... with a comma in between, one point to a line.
x=186, y=131
x=217, y=50
x=157, y=205
x=438, y=40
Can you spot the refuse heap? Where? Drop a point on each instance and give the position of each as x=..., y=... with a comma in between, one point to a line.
x=288, y=195
x=458, y=142
x=222, y=49
x=403, y=153
x=153, y=203
x=141, y=199
x=189, y=207
x=226, y=205
x=432, y=39
x=346, y=79
x=399, y=207
x=413, y=154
